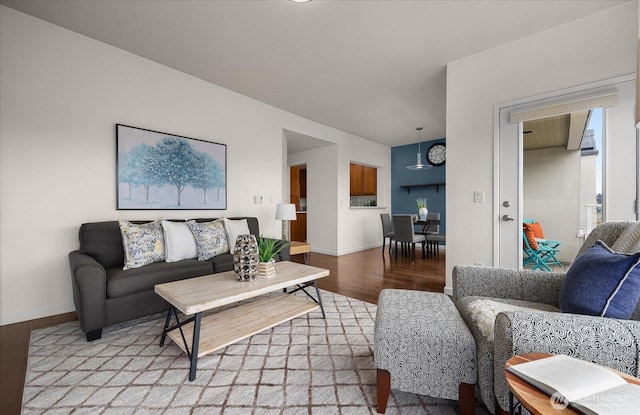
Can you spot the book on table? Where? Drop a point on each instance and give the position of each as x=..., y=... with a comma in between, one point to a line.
x=587, y=387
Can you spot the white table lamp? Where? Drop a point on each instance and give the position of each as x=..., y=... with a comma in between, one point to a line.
x=285, y=212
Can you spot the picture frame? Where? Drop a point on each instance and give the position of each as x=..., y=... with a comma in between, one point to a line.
x=161, y=171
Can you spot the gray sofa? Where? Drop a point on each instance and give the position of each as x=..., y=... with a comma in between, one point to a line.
x=610, y=342
x=104, y=294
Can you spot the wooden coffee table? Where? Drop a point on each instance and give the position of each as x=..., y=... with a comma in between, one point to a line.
x=532, y=398
x=194, y=296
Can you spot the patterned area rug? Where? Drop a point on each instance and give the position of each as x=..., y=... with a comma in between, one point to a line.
x=305, y=366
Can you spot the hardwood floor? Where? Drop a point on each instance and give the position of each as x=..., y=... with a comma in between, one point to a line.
x=360, y=275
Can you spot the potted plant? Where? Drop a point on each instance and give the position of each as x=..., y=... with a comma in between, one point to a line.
x=268, y=248
x=421, y=203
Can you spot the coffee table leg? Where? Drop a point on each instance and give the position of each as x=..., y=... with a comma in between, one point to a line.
x=194, y=347
x=166, y=326
x=315, y=284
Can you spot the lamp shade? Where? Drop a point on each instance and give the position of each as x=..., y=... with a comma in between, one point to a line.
x=286, y=211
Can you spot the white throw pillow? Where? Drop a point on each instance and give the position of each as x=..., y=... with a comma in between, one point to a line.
x=484, y=314
x=179, y=242
x=235, y=228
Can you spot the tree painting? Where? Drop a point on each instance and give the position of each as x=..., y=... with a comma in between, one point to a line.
x=160, y=171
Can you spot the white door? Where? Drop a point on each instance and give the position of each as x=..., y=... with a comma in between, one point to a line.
x=508, y=165
x=508, y=207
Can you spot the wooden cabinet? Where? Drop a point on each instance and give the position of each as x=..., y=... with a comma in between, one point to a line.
x=294, y=185
x=298, y=229
x=369, y=180
x=363, y=180
x=356, y=179
x=298, y=190
x=303, y=183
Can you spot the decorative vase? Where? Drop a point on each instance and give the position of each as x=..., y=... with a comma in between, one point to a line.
x=246, y=258
x=422, y=213
x=267, y=269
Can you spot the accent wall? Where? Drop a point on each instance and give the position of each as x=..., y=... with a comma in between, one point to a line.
x=403, y=200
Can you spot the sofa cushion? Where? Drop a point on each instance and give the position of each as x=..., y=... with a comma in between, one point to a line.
x=222, y=263
x=103, y=242
x=179, y=242
x=210, y=237
x=602, y=283
x=143, y=243
x=123, y=282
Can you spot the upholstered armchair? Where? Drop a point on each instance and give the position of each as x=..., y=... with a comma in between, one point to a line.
x=611, y=342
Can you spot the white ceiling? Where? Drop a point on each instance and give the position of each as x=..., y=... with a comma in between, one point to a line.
x=376, y=69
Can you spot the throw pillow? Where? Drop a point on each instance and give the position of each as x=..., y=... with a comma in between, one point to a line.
x=211, y=238
x=602, y=283
x=143, y=244
x=536, y=228
x=235, y=228
x=179, y=242
x=629, y=240
x=528, y=233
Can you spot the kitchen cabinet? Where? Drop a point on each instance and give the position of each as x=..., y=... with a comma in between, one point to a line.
x=298, y=230
x=363, y=180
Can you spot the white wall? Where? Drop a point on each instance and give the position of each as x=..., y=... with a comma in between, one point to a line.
x=598, y=47
x=332, y=227
x=551, y=195
x=61, y=96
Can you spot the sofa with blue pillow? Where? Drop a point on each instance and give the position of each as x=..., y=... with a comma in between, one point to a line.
x=591, y=311
x=119, y=262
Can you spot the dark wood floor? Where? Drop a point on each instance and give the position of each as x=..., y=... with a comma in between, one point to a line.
x=360, y=275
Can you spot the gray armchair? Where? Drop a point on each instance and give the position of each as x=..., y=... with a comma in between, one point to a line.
x=610, y=342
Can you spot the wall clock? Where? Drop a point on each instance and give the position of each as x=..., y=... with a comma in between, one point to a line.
x=437, y=154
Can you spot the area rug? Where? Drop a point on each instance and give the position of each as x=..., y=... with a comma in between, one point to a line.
x=306, y=366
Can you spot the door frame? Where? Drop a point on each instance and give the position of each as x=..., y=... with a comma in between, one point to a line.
x=503, y=132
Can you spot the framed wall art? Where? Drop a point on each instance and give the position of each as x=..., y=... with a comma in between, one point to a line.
x=164, y=171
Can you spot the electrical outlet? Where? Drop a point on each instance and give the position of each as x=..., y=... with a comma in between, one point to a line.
x=478, y=264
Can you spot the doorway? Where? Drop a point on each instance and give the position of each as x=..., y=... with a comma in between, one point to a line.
x=617, y=97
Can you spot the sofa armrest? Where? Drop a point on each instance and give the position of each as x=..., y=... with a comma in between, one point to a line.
x=535, y=286
x=609, y=342
x=89, y=280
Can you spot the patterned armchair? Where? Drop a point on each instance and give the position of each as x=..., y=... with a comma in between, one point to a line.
x=610, y=342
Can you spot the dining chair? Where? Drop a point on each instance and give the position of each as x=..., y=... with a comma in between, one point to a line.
x=387, y=230
x=404, y=233
x=432, y=234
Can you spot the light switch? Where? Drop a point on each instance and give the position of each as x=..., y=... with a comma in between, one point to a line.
x=478, y=196
x=257, y=200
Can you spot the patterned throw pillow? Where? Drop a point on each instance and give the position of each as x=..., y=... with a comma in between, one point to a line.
x=143, y=244
x=211, y=238
x=602, y=283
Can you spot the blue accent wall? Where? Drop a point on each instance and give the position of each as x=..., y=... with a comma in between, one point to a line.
x=405, y=202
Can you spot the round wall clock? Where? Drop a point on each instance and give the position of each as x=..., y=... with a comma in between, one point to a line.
x=437, y=154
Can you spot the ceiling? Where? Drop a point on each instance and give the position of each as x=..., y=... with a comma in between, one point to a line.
x=564, y=130
x=376, y=69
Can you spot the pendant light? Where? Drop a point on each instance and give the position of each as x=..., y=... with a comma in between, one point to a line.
x=419, y=165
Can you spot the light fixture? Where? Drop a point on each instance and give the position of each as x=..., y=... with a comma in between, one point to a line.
x=301, y=1
x=419, y=165
x=285, y=212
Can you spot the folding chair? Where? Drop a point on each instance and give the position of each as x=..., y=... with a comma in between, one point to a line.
x=548, y=246
x=538, y=254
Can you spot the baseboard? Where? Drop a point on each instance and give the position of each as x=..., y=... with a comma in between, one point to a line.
x=448, y=290
x=49, y=319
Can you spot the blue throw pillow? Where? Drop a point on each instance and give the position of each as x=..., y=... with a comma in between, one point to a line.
x=602, y=283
